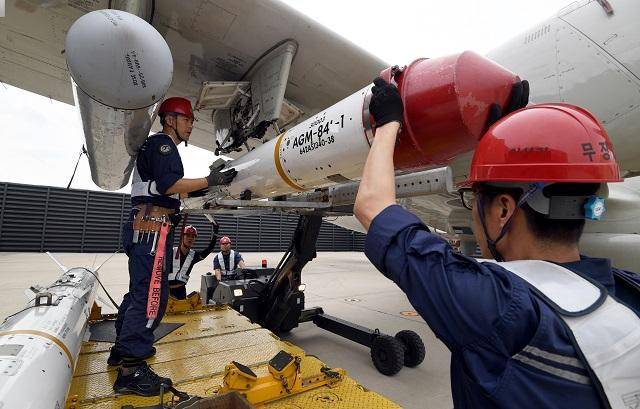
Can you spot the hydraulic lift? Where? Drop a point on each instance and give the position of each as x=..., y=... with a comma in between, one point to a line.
x=276, y=302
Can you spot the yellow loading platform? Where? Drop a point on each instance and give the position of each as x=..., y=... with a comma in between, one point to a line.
x=194, y=356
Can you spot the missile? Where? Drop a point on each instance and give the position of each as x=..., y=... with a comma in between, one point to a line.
x=446, y=102
x=120, y=68
x=39, y=345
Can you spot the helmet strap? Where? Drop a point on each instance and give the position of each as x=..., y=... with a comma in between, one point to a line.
x=492, y=244
x=175, y=130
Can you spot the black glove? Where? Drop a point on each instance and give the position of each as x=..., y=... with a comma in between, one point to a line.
x=216, y=228
x=216, y=177
x=198, y=193
x=386, y=103
x=519, y=99
x=175, y=219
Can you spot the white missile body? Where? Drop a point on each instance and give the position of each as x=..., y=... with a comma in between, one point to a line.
x=39, y=346
x=446, y=106
x=327, y=148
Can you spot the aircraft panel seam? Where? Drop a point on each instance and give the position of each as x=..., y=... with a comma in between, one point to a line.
x=603, y=50
x=32, y=58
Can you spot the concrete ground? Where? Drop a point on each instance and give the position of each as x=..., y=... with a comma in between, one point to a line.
x=345, y=285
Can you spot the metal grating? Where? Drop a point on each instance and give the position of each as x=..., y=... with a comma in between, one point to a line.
x=42, y=218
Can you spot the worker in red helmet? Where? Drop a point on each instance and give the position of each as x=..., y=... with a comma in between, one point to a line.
x=226, y=260
x=158, y=181
x=180, y=109
x=185, y=258
x=539, y=325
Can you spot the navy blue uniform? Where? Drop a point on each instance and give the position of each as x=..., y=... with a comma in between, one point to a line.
x=158, y=161
x=508, y=348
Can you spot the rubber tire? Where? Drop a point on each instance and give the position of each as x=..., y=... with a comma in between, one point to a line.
x=387, y=354
x=414, y=349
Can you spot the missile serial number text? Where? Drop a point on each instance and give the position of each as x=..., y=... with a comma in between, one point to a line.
x=317, y=144
x=317, y=137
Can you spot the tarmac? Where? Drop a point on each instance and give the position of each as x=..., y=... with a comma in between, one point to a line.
x=344, y=284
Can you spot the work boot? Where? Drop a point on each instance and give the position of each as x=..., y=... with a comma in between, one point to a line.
x=115, y=356
x=142, y=381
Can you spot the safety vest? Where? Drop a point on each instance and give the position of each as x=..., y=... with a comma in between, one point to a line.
x=232, y=257
x=146, y=188
x=181, y=273
x=606, y=333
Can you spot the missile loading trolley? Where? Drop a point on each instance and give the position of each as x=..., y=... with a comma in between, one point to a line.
x=53, y=353
x=214, y=351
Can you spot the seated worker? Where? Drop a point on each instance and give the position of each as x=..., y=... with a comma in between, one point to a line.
x=221, y=262
x=186, y=258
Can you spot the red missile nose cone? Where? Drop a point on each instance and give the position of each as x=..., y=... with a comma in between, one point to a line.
x=446, y=106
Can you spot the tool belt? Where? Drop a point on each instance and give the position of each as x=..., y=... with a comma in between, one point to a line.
x=149, y=218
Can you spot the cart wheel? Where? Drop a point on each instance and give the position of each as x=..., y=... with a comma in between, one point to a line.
x=414, y=350
x=285, y=329
x=387, y=354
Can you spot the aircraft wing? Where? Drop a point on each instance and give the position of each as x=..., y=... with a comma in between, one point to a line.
x=210, y=41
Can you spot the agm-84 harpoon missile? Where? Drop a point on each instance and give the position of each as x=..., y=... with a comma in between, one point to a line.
x=447, y=102
x=39, y=345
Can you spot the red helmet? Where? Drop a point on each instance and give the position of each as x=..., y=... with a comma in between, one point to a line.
x=225, y=240
x=176, y=105
x=189, y=229
x=545, y=143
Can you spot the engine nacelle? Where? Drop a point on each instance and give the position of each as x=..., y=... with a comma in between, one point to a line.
x=120, y=67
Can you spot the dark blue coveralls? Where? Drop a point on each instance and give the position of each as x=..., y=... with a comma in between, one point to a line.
x=508, y=348
x=158, y=160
